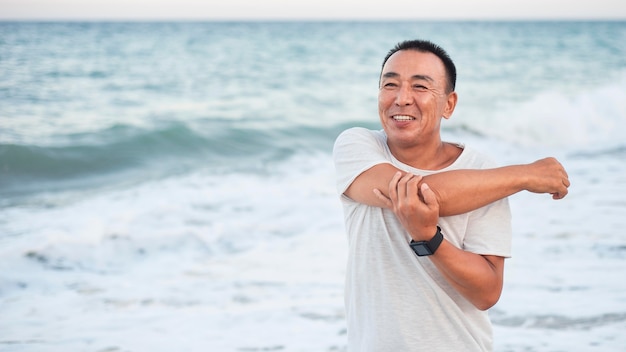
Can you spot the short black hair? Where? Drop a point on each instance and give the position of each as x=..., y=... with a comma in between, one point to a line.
x=426, y=46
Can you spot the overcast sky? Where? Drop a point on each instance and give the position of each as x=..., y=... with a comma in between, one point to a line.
x=312, y=9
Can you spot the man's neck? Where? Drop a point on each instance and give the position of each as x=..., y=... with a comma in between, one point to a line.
x=432, y=156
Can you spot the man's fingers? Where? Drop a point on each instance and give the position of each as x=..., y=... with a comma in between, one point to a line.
x=559, y=195
x=412, y=186
x=403, y=190
x=383, y=198
x=429, y=196
x=393, y=186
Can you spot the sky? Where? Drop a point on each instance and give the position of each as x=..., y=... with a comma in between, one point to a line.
x=309, y=9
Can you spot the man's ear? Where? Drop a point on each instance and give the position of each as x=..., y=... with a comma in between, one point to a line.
x=450, y=105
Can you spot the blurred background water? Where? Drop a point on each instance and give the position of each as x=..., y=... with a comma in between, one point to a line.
x=169, y=186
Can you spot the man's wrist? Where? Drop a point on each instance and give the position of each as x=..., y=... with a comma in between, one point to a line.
x=425, y=248
x=425, y=234
x=522, y=174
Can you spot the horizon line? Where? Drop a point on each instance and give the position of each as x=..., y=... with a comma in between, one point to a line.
x=313, y=19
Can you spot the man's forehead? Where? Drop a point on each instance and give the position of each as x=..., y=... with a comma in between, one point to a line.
x=414, y=64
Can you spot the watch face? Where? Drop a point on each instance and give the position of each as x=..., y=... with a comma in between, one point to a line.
x=421, y=249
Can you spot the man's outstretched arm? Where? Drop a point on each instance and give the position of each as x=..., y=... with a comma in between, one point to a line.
x=460, y=191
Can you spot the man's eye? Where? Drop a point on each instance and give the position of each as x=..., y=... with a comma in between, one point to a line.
x=390, y=85
x=419, y=87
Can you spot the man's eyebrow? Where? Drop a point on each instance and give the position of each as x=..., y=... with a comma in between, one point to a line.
x=390, y=75
x=414, y=77
x=423, y=78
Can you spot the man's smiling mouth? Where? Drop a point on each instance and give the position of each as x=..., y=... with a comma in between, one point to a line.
x=402, y=118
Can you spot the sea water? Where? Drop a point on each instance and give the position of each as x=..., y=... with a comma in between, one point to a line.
x=170, y=186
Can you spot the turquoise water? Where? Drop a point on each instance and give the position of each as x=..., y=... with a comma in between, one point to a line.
x=167, y=178
x=84, y=99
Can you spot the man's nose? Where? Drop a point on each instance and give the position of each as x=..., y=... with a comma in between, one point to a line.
x=404, y=96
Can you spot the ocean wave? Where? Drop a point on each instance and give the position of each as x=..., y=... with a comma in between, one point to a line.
x=558, y=322
x=582, y=120
x=618, y=152
x=171, y=147
x=115, y=148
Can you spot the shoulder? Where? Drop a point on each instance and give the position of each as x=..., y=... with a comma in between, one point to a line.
x=361, y=135
x=471, y=158
x=361, y=132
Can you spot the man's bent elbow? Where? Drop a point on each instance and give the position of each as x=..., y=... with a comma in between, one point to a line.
x=485, y=302
x=485, y=305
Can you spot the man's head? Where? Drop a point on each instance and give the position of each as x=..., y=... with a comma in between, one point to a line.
x=428, y=47
x=416, y=91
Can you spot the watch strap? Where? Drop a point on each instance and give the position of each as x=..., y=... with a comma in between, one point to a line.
x=425, y=248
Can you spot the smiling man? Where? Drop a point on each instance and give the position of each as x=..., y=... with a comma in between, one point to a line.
x=428, y=221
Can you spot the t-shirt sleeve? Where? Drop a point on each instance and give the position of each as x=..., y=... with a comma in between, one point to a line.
x=489, y=228
x=355, y=151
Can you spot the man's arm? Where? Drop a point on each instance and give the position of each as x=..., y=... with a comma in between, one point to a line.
x=461, y=191
x=477, y=277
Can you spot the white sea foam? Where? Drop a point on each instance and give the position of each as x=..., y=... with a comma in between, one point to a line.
x=255, y=262
x=589, y=118
x=232, y=263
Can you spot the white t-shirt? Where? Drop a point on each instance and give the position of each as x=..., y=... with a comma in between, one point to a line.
x=395, y=300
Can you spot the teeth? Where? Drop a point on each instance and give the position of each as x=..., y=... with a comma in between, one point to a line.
x=402, y=118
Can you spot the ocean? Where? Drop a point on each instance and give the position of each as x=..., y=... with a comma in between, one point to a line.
x=170, y=186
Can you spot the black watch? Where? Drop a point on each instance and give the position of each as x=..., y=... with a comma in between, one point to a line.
x=424, y=248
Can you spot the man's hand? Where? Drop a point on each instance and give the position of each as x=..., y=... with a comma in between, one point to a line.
x=547, y=176
x=415, y=206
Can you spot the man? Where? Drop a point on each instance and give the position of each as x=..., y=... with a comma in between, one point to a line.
x=416, y=281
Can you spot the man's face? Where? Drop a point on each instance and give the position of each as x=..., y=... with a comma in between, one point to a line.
x=412, y=98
